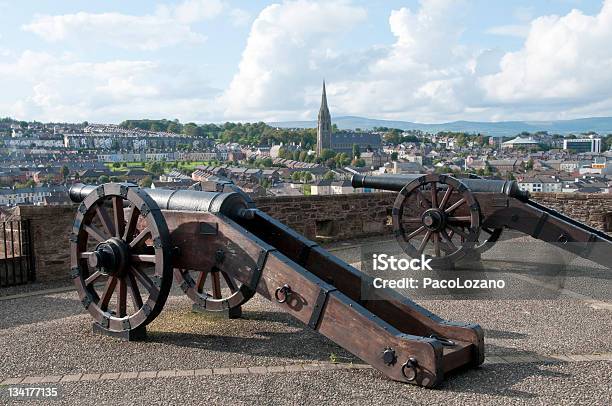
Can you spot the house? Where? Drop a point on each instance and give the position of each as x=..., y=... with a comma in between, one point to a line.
x=321, y=187
x=546, y=185
x=504, y=165
x=136, y=175
x=342, y=187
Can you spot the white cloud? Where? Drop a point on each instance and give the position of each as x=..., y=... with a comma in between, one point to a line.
x=168, y=26
x=565, y=62
x=53, y=88
x=282, y=54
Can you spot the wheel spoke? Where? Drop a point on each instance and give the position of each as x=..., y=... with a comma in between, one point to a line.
x=459, y=219
x=131, y=223
x=134, y=291
x=105, y=219
x=412, y=220
x=230, y=282
x=119, y=216
x=414, y=233
x=201, y=281
x=455, y=206
x=95, y=232
x=424, y=242
x=143, y=258
x=446, y=196
x=216, y=284
x=85, y=255
x=448, y=240
x=140, y=237
x=451, y=233
x=144, y=279
x=422, y=196
x=436, y=239
x=93, y=277
x=108, y=293
x=122, y=298
x=458, y=231
x=434, y=195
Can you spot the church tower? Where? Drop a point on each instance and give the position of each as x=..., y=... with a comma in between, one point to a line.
x=324, y=126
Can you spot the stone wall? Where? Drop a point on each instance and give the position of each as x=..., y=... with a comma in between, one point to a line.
x=50, y=228
x=592, y=209
x=321, y=218
x=336, y=217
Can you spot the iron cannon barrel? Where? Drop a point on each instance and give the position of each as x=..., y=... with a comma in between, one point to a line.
x=229, y=203
x=397, y=182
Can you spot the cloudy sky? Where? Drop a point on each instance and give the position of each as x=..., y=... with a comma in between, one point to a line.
x=218, y=60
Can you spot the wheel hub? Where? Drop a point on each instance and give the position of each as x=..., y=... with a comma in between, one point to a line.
x=110, y=257
x=434, y=219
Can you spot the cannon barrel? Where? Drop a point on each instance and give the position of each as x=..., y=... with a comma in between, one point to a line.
x=397, y=182
x=231, y=204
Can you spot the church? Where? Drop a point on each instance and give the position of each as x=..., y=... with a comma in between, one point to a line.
x=341, y=141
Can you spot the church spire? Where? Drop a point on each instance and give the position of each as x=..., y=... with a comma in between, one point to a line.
x=324, y=98
x=323, y=125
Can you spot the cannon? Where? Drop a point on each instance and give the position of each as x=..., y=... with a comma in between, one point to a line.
x=451, y=220
x=127, y=244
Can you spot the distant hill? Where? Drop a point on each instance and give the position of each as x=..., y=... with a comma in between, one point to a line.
x=601, y=125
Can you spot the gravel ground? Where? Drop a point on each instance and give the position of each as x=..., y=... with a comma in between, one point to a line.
x=50, y=334
x=521, y=384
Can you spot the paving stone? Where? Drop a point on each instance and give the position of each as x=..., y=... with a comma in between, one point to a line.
x=12, y=381
x=185, y=372
x=203, y=371
x=275, y=369
x=129, y=375
x=294, y=368
x=258, y=370
x=90, y=377
x=110, y=375
x=221, y=371
x=239, y=370
x=32, y=379
x=146, y=374
x=71, y=378
x=51, y=379
x=166, y=374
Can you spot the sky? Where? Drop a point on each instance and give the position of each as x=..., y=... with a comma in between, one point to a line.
x=427, y=61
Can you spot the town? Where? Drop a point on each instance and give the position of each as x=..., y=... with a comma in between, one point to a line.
x=40, y=160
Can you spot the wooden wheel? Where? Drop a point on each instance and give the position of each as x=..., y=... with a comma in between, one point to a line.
x=120, y=248
x=210, y=295
x=436, y=216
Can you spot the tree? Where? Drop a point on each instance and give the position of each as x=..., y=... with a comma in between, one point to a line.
x=65, y=172
x=306, y=176
x=155, y=168
x=356, y=151
x=146, y=182
x=394, y=156
x=329, y=175
x=103, y=179
x=116, y=165
x=529, y=165
x=327, y=154
x=295, y=176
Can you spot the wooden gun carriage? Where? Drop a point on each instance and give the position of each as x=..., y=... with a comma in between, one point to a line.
x=450, y=219
x=128, y=243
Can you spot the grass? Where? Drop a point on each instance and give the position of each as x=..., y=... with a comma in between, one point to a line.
x=168, y=166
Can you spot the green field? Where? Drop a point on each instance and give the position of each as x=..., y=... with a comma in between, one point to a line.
x=168, y=166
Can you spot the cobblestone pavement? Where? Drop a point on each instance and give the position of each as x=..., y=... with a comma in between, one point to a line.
x=554, y=351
